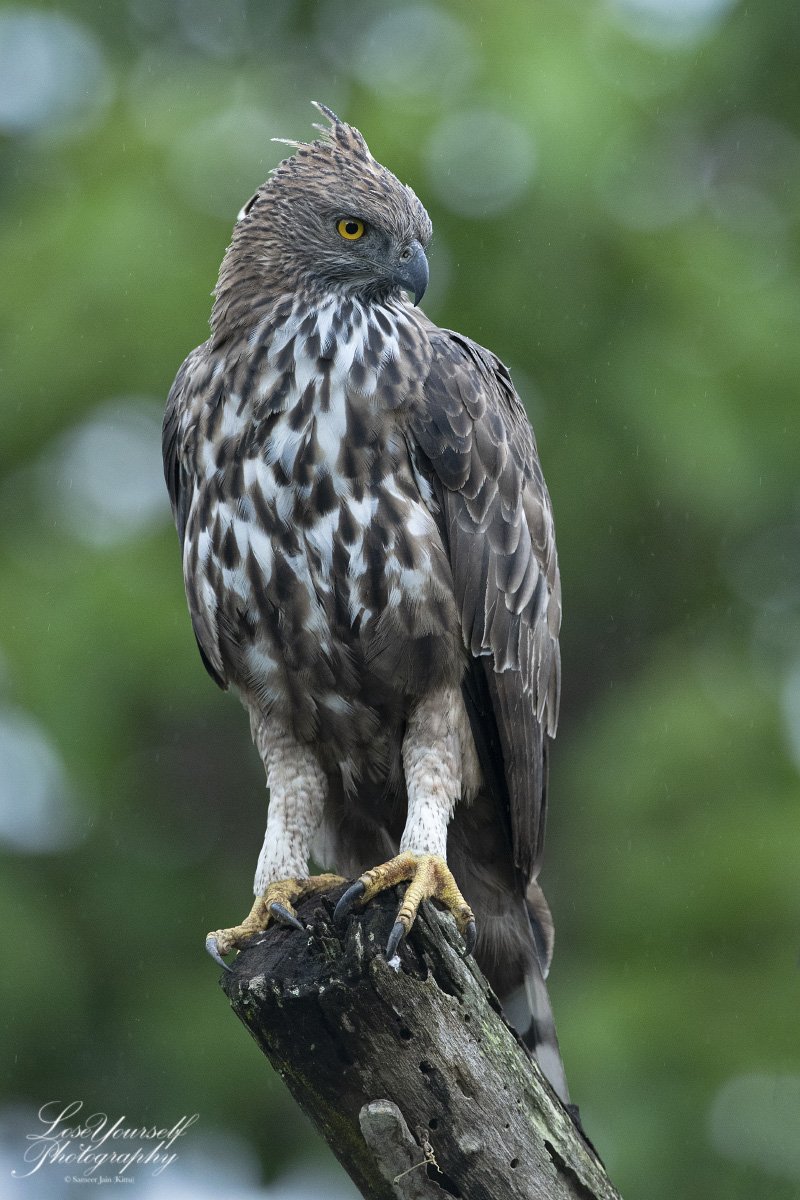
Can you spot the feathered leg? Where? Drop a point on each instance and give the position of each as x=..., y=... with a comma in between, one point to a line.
x=297, y=789
x=433, y=754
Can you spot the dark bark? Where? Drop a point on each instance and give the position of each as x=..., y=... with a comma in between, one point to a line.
x=398, y=1062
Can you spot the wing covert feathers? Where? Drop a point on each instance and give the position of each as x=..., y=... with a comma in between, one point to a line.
x=496, y=519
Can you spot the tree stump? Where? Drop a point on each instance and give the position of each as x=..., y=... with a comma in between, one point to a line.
x=408, y=1068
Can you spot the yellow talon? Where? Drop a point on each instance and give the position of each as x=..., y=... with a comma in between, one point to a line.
x=277, y=903
x=430, y=879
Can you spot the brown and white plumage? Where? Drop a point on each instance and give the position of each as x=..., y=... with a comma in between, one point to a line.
x=369, y=555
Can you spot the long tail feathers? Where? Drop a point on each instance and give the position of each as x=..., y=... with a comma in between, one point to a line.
x=528, y=1008
x=540, y=1035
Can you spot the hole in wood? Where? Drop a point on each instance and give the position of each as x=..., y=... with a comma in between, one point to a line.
x=445, y=984
x=444, y=1181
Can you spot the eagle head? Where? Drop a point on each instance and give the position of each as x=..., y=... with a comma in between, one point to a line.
x=331, y=218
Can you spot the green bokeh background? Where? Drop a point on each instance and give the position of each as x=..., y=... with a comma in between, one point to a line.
x=614, y=193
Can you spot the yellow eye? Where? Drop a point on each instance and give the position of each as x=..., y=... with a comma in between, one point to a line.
x=351, y=229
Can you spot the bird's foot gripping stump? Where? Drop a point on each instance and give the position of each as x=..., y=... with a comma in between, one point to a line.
x=407, y=1068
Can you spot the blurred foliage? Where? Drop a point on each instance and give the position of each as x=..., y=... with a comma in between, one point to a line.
x=614, y=192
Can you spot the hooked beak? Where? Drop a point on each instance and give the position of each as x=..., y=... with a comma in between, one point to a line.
x=412, y=271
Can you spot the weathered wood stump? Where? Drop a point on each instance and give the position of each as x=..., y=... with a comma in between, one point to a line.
x=408, y=1068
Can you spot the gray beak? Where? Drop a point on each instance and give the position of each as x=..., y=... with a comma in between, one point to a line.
x=412, y=271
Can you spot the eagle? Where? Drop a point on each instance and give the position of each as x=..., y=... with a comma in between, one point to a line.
x=369, y=560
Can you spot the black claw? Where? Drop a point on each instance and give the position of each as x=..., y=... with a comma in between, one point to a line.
x=285, y=917
x=470, y=936
x=395, y=938
x=342, y=910
x=213, y=950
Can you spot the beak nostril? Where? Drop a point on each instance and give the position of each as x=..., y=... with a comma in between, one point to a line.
x=411, y=270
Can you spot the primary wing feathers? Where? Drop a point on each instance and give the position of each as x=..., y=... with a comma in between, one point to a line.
x=496, y=520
